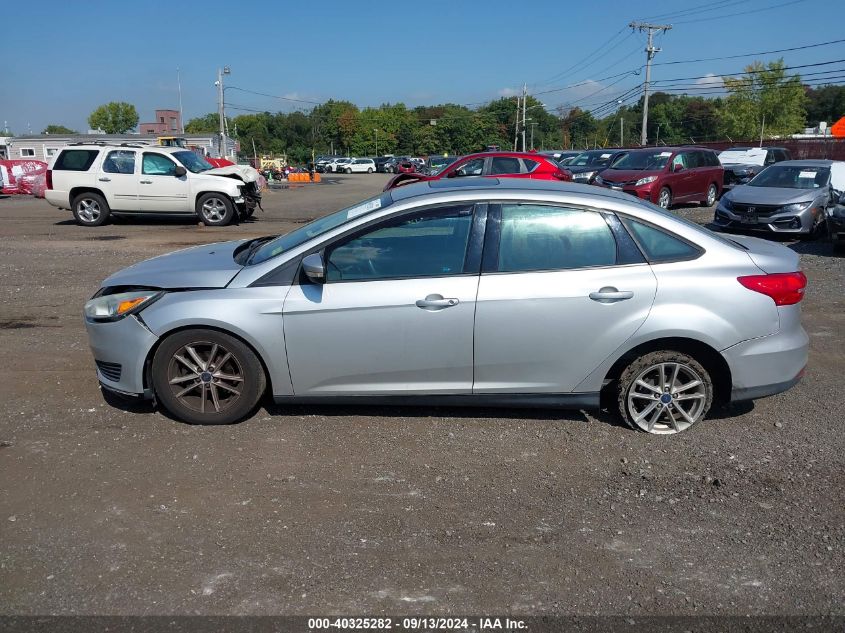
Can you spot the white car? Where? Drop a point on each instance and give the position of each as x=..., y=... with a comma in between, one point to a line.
x=96, y=180
x=358, y=166
x=337, y=164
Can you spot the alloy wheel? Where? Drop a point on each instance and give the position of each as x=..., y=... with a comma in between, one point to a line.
x=666, y=398
x=205, y=377
x=711, y=195
x=88, y=210
x=664, y=199
x=214, y=210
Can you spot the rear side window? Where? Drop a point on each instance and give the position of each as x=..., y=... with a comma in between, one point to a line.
x=75, y=159
x=660, y=246
x=535, y=237
x=530, y=165
x=119, y=162
x=504, y=165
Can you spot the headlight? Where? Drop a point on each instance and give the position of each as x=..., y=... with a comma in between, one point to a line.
x=645, y=181
x=726, y=204
x=584, y=175
x=798, y=207
x=599, y=180
x=117, y=306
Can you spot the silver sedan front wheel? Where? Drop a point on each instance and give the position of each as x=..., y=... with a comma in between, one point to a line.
x=664, y=393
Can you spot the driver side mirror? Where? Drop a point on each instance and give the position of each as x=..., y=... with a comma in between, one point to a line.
x=314, y=269
x=677, y=167
x=180, y=171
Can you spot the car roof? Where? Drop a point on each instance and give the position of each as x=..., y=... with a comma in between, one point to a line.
x=502, y=154
x=127, y=146
x=811, y=162
x=502, y=185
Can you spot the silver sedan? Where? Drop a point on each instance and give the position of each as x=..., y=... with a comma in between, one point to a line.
x=486, y=292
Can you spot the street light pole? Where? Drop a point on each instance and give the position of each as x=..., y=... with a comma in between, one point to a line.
x=221, y=109
x=376, y=131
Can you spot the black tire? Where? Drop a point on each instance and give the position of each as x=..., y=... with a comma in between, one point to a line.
x=369, y=170
x=215, y=209
x=665, y=191
x=348, y=170
x=715, y=191
x=665, y=416
x=90, y=209
x=200, y=405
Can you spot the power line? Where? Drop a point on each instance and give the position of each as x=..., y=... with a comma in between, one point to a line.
x=731, y=15
x=695, y=10
x=780, y=50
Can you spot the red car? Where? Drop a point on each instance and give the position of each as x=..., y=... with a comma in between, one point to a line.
x=493, y=165
x=667, y=175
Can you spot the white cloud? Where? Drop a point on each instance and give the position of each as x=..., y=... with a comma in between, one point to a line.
x=508, y=92
x=710, y=81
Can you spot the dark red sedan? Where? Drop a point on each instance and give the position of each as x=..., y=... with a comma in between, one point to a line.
x=493, y=165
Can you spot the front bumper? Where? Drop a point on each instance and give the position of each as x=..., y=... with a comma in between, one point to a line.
x=643, y=192
x=120, y=349
x=767, y=365
x=796, y=223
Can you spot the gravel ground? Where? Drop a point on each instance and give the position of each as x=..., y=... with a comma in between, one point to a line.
x=121, y=510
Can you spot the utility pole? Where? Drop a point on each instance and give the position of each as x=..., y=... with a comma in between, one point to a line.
x=650, y=52
x=762, y=127
x=220, y=110
x=516, y=125
x=181, y=116
x=533, y=125
x=621, y=132
x=524, y=100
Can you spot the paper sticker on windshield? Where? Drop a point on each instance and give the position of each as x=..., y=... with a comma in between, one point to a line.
x=605, y=155
x=807, y=174
x=361, y=209
x=664, y=154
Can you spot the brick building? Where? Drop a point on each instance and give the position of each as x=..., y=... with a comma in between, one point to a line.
x=168, y=122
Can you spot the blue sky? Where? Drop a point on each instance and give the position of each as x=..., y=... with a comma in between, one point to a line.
x=86, y=54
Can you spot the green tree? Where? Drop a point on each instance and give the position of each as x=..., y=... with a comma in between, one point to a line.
x=764, y=97
x=116, y=117
x=204, y=124
x=825, y=103
x=58, y=129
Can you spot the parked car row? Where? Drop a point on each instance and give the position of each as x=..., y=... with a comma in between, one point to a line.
x=346, y=165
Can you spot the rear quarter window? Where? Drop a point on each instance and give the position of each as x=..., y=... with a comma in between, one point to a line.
x=658, y=245
x=75, y=160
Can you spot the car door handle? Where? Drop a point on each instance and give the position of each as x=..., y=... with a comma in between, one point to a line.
x=104, y=179
x=609, y=294
x=436, y=302
x=146, y=182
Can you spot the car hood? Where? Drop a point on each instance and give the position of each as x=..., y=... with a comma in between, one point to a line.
x=584, y=168
x=624, y=175
x=243, y=172
x=746, y=194
x=740, y=167
x=206, y=266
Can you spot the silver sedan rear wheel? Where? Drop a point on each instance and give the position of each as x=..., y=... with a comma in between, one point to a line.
x=664, y=393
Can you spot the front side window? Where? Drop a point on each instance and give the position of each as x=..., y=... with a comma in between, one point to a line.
x=504, y=165
x=158, y=165
x=474, y=167
x=679, y=161
x=539, y=237
x=120, y=162
x=428, y=244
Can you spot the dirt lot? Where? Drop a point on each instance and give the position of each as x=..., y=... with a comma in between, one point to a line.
x=312, y=510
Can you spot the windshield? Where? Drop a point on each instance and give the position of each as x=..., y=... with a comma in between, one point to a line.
x=590, y=158
x=792, y=177
x=284, y=243
x=192, y=162
x=640, y=161
x=436, y=165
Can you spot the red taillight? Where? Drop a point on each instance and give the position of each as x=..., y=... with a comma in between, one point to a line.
x=49, y=179
x=785, y=289
x=562, y=175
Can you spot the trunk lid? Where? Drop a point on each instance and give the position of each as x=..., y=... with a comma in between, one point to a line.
x=768, y=256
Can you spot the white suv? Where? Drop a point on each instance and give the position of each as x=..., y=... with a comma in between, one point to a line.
x=94, y=180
